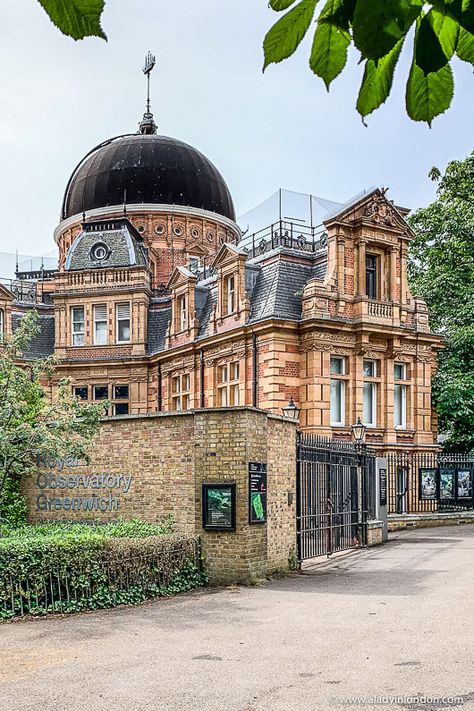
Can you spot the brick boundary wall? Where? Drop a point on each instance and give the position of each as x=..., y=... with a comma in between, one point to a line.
x=149, y=466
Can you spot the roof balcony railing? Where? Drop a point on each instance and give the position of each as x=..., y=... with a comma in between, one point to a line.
x=24, y=290
x=283, y=233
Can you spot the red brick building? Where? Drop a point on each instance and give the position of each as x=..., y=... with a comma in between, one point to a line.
x=160, y=304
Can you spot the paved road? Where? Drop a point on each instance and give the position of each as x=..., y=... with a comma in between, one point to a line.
x=390, y=621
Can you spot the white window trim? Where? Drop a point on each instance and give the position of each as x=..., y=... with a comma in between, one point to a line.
x=403, y=390
x=117, y=331
x=230, y=294
x=342, y=408
x=374, y=405
x=342, y=359
x=102, y=320
x=78, y=333
x=404, y=371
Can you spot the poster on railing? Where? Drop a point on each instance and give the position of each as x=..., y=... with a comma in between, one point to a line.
x=428, y=483
x=464, y=483
x=446, y=484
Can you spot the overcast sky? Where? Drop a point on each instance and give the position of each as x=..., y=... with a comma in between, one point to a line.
x=59, y=98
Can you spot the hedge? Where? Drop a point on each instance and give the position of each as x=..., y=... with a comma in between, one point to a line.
x=57, y=568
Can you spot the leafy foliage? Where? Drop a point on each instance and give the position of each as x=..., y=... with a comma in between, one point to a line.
x=29, y=422
x=378, y=28
x=441, y=269
x=76, y=18
x=61, y=568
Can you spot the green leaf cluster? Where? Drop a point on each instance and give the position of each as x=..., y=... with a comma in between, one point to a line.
x=441, y=30
x=441, y=270
x=73, y=568
x=29, y=422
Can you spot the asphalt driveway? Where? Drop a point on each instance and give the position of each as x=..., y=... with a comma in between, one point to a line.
x=391, y=625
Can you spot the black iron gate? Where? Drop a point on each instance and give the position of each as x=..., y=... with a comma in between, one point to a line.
x=335, y=495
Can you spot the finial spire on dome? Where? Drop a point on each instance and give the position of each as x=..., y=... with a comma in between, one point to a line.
x=147, y=124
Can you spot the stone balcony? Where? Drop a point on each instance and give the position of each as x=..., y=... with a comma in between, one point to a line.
x=103, y=279
x=383, y=312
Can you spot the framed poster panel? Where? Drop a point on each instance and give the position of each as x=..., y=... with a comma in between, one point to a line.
x=447, y=484
x=428, y=483
x=257, y=492
x=218, y=507
x=464, y=484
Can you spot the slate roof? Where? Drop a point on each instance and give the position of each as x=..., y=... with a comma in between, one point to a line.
x=158, y=320
x=124, y=249
x=274, y=286
x=42, y=345
x=278, y=290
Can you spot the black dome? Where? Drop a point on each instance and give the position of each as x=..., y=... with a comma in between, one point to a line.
x=146, y=169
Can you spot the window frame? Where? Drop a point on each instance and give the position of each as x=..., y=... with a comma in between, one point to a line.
x=228, y=387
x=230, y=302
x=181, y=312
x=374, y=398
x=341, y=422
x=371, y=276
x=180, y=399
x=2, y=324
x=119, y=319
x=74, y=333
x=404, y=371
x=95, y=321
x=402, y=389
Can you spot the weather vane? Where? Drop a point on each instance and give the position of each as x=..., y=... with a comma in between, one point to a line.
x=150, y=61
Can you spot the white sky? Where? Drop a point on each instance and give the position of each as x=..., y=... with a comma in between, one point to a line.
x=59, y=98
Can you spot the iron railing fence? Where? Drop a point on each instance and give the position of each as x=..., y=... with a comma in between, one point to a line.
x=107, y=582
x=429, y=482
x=284, y=233
x=336, y=495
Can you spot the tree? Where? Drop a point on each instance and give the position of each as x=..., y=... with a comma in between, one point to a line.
x=442, y=29
x=441, y=269
x=29, y=423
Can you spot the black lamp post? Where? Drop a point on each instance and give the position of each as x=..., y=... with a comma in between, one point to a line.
x=358, y=433
x=291, y=411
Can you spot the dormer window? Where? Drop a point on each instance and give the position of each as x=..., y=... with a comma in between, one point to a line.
x=99, y=252
x=229, y=294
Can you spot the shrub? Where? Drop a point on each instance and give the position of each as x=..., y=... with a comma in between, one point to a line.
x=60, y=568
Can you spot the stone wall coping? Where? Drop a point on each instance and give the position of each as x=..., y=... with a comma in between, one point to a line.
x=198, y=411
x=375, y=523
x=434, y=516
